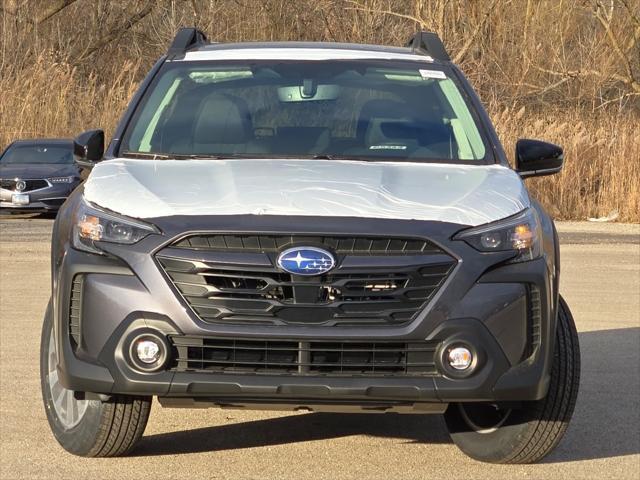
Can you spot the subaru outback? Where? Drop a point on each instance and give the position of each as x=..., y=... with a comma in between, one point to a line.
x=314, y=227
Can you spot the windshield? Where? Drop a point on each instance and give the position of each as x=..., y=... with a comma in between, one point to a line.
x=50, y=154
x=342, y=109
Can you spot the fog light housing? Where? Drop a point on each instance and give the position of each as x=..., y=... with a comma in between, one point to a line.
x=459, y=358
x=148, y=351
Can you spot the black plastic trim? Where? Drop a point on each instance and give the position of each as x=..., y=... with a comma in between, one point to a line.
x=429, y=43
x=186, y=39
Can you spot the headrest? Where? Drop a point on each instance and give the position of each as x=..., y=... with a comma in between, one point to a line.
x=382, y=109
x=222, y=119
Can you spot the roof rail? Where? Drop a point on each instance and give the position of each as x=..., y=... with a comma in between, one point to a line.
x=186, y=38
x=429, y=43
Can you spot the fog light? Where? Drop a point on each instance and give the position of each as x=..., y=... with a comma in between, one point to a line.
x=148, y=351
x=459, y=358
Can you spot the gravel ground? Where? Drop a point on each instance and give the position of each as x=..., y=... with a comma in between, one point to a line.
x=600, y=280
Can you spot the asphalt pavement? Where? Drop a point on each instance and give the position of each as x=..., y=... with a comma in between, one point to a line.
x=600, y=280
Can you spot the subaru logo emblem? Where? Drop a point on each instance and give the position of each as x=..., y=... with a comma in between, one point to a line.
x=306, y=261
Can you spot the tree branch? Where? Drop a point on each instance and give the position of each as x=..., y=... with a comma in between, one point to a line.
x=472, y=38
x=51, y=8
x=196, y=12
x=423, y=24
x=361, y=8
x=605, y=21
x=635, y=19
x=586, y=73
x=113, y=33
x=620, y=99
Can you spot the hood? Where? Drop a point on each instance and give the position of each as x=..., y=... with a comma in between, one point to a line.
x=467, y=195
x=37, y=170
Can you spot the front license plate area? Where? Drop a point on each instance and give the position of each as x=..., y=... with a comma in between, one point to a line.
x=20, y=199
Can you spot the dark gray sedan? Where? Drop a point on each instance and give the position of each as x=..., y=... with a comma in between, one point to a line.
x=37, y=175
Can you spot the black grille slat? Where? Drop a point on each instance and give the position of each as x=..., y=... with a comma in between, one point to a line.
x=323, y=364
x=534, y=321
x=341, y=245
x=295, y=348
x=75, y=310
x=220, y=355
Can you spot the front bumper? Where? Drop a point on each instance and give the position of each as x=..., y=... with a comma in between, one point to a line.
x=45, y=199
x=487, y=307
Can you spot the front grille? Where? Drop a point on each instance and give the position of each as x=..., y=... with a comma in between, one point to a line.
x=342, y=245
x=75, y=310
x=10, y=184
x=246, y=294
x=237, y=356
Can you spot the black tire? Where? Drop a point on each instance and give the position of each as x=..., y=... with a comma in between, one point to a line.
x=528, y=433
x=94, y=428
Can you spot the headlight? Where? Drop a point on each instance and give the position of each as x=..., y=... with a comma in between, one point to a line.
x=62, y=179
x=519, y=234
x=94, y=225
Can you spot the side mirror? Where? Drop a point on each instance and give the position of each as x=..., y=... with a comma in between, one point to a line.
x=535, y=158
x=88, y=148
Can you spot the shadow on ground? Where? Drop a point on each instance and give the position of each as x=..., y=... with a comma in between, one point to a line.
x=606, y=421
x=605, y=424
x=293, y=429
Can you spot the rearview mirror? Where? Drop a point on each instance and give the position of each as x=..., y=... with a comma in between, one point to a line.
x=88, y=148
x=309, y=91
x=535, y=158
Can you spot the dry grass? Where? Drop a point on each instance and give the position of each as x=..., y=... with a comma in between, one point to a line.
x=546, y=68
x=50, y=99
x=602, y=170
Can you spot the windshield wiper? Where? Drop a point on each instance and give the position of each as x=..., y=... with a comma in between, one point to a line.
x=179, y=156
x=263, y=156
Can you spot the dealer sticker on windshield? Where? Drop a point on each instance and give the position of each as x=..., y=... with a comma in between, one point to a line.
x=432, y=74
x=388, y=147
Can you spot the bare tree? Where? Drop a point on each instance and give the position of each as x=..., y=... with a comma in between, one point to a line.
x=43, y=12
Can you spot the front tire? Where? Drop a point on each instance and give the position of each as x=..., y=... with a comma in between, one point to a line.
x=525, y=434
x=89, y=428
